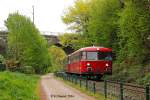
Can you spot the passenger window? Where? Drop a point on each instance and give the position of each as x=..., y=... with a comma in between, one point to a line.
x=92, y=55
x=105, y=56
x=83, y=57
x=68, y=60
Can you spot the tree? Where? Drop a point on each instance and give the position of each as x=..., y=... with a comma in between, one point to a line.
x=25, y=43
x=71, y=40
x=134, y=31
x=77, y=16
x=58, y=58
x=95, y=20
x=103, y=22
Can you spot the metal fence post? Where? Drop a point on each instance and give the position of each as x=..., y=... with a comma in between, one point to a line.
x=75, y=81
x=105, y=88
x=60, y=75
x=86, y=84
x=147, y=93
x=94, y=90
x=121, y=91
x=63, y=77
x=71, y=78
x=80, y=83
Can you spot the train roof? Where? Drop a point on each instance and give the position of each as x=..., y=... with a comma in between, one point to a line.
x=102, y=49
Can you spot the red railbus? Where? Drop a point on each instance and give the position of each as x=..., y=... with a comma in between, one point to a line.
x=90, y=62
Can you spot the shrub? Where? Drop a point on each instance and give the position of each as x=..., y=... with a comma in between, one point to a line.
x=2, y=59
x=27, y=70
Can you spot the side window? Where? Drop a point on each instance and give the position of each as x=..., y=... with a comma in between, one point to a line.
x=68, y=60
x=83, y=56
x=105, y=56
x=80, y=55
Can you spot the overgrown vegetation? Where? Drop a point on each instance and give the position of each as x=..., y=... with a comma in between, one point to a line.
x=2, y=59
x=26, y=47
x=58, y=59
x=122, y=26
x=17, y=86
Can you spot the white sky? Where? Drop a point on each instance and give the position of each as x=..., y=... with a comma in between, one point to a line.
x=47, y=12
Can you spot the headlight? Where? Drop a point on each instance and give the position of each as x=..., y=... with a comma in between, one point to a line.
x=88, y=64
x=107, y=65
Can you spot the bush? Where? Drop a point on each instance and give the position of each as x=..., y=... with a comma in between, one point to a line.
x=2, y=65
x=144, y=80
x=27, y=70
x=2, y=59
x=124, y=72
x=58, y=57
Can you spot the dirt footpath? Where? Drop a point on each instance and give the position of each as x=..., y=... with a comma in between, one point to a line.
x=53, y=89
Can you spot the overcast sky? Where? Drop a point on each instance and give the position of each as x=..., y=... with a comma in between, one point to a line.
x=47, y=12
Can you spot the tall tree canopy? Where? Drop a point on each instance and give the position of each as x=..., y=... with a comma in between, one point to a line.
x=77, y=16
x=134, y=31
x=103, y=22
x=25, y=43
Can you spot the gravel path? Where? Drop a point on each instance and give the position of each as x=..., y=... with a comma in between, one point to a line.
x=53, y=89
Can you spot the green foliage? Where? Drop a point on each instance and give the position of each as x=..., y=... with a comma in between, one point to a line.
x=77, y=15
x=103, y=22
x=73, y=40
x=27, y=69
x=98, y=21
x=25, y=43
x=125, y=29
x=16, y=86
x=58, y=58
x=144, y=80
x=2, y=59
x=77, y=18
x=124, y=72
x=134, y=30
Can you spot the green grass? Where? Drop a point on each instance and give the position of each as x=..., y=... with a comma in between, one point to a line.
x=17, y=86
x=97, y=96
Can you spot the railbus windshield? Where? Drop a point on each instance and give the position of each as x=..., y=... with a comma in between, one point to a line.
x=96, y=55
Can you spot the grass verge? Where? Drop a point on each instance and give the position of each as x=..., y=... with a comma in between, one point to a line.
x=17, y=86
x=97, y=96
